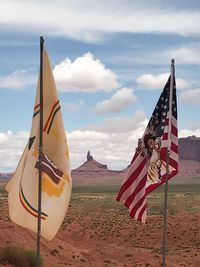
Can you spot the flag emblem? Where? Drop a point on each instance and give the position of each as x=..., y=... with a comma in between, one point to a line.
x=53, y=179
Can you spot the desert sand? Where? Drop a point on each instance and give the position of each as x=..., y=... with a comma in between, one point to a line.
x=97, y=231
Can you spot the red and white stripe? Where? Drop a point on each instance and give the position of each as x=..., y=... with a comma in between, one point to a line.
x=134, y=189
x=168, y=140
x=132, y=192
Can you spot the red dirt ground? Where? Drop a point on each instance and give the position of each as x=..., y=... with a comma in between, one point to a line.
x=111, y=239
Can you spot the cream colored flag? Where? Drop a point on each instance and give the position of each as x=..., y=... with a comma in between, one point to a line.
x=56, y=178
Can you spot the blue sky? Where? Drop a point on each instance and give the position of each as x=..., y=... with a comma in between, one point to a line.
x=110, y=60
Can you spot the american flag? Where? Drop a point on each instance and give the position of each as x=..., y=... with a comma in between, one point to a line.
x=147, y=170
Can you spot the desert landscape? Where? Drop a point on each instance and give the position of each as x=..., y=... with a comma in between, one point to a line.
x=98, y=232
x=83, y=86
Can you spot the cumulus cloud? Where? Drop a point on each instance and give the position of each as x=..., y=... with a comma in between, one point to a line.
x=85, y=74
x=151, y=82
x=190, y=96
x=17, y=80
x=119, y=101
x=11, y=148
x=92, y=22
x=114, y=146
x=115, y=150
x=111, y=148
x=73, y=106
x=120, y=124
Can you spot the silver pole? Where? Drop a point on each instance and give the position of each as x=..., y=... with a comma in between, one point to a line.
x=165, y=212
x=167, y=168
x=40, y=154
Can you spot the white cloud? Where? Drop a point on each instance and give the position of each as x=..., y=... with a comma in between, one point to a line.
x=91, y=22
x=190, y=96
x=17, y=80
x=185, y=54
x=112, y=146
x=73, y=106
x=85, y=74
x=186, y=133
x=115, y=149
x=119, y=101
x=120, y=124
x=194, y=126
x=11, y=148
x=151, y=82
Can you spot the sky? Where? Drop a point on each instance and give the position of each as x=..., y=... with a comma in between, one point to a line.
x=110, y=60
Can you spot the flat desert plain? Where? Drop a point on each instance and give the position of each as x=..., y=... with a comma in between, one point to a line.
x=98, y=232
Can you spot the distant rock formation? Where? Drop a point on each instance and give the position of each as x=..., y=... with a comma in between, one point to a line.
x=91, y=169
x=89, y=156
x=91, y=164
x=93, y=172
x=189, y=148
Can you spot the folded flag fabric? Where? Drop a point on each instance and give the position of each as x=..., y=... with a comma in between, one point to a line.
x=56, y=176
x=147, y=170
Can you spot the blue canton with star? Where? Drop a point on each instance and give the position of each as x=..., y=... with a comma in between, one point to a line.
x=156, y=124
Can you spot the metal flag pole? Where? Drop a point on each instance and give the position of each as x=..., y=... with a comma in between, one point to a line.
x=167, y=166
x=40, y=154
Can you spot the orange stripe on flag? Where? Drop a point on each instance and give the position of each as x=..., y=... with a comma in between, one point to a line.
x=36, y=106
x=46, y=125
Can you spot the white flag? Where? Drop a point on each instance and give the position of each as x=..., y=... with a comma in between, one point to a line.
x=56, y=177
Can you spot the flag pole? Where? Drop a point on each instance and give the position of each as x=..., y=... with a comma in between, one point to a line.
x=40, y=154
x=167, y=167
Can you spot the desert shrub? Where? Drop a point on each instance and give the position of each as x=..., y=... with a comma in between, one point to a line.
x=14, y=255
x=19, y=257
x=31, y=257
